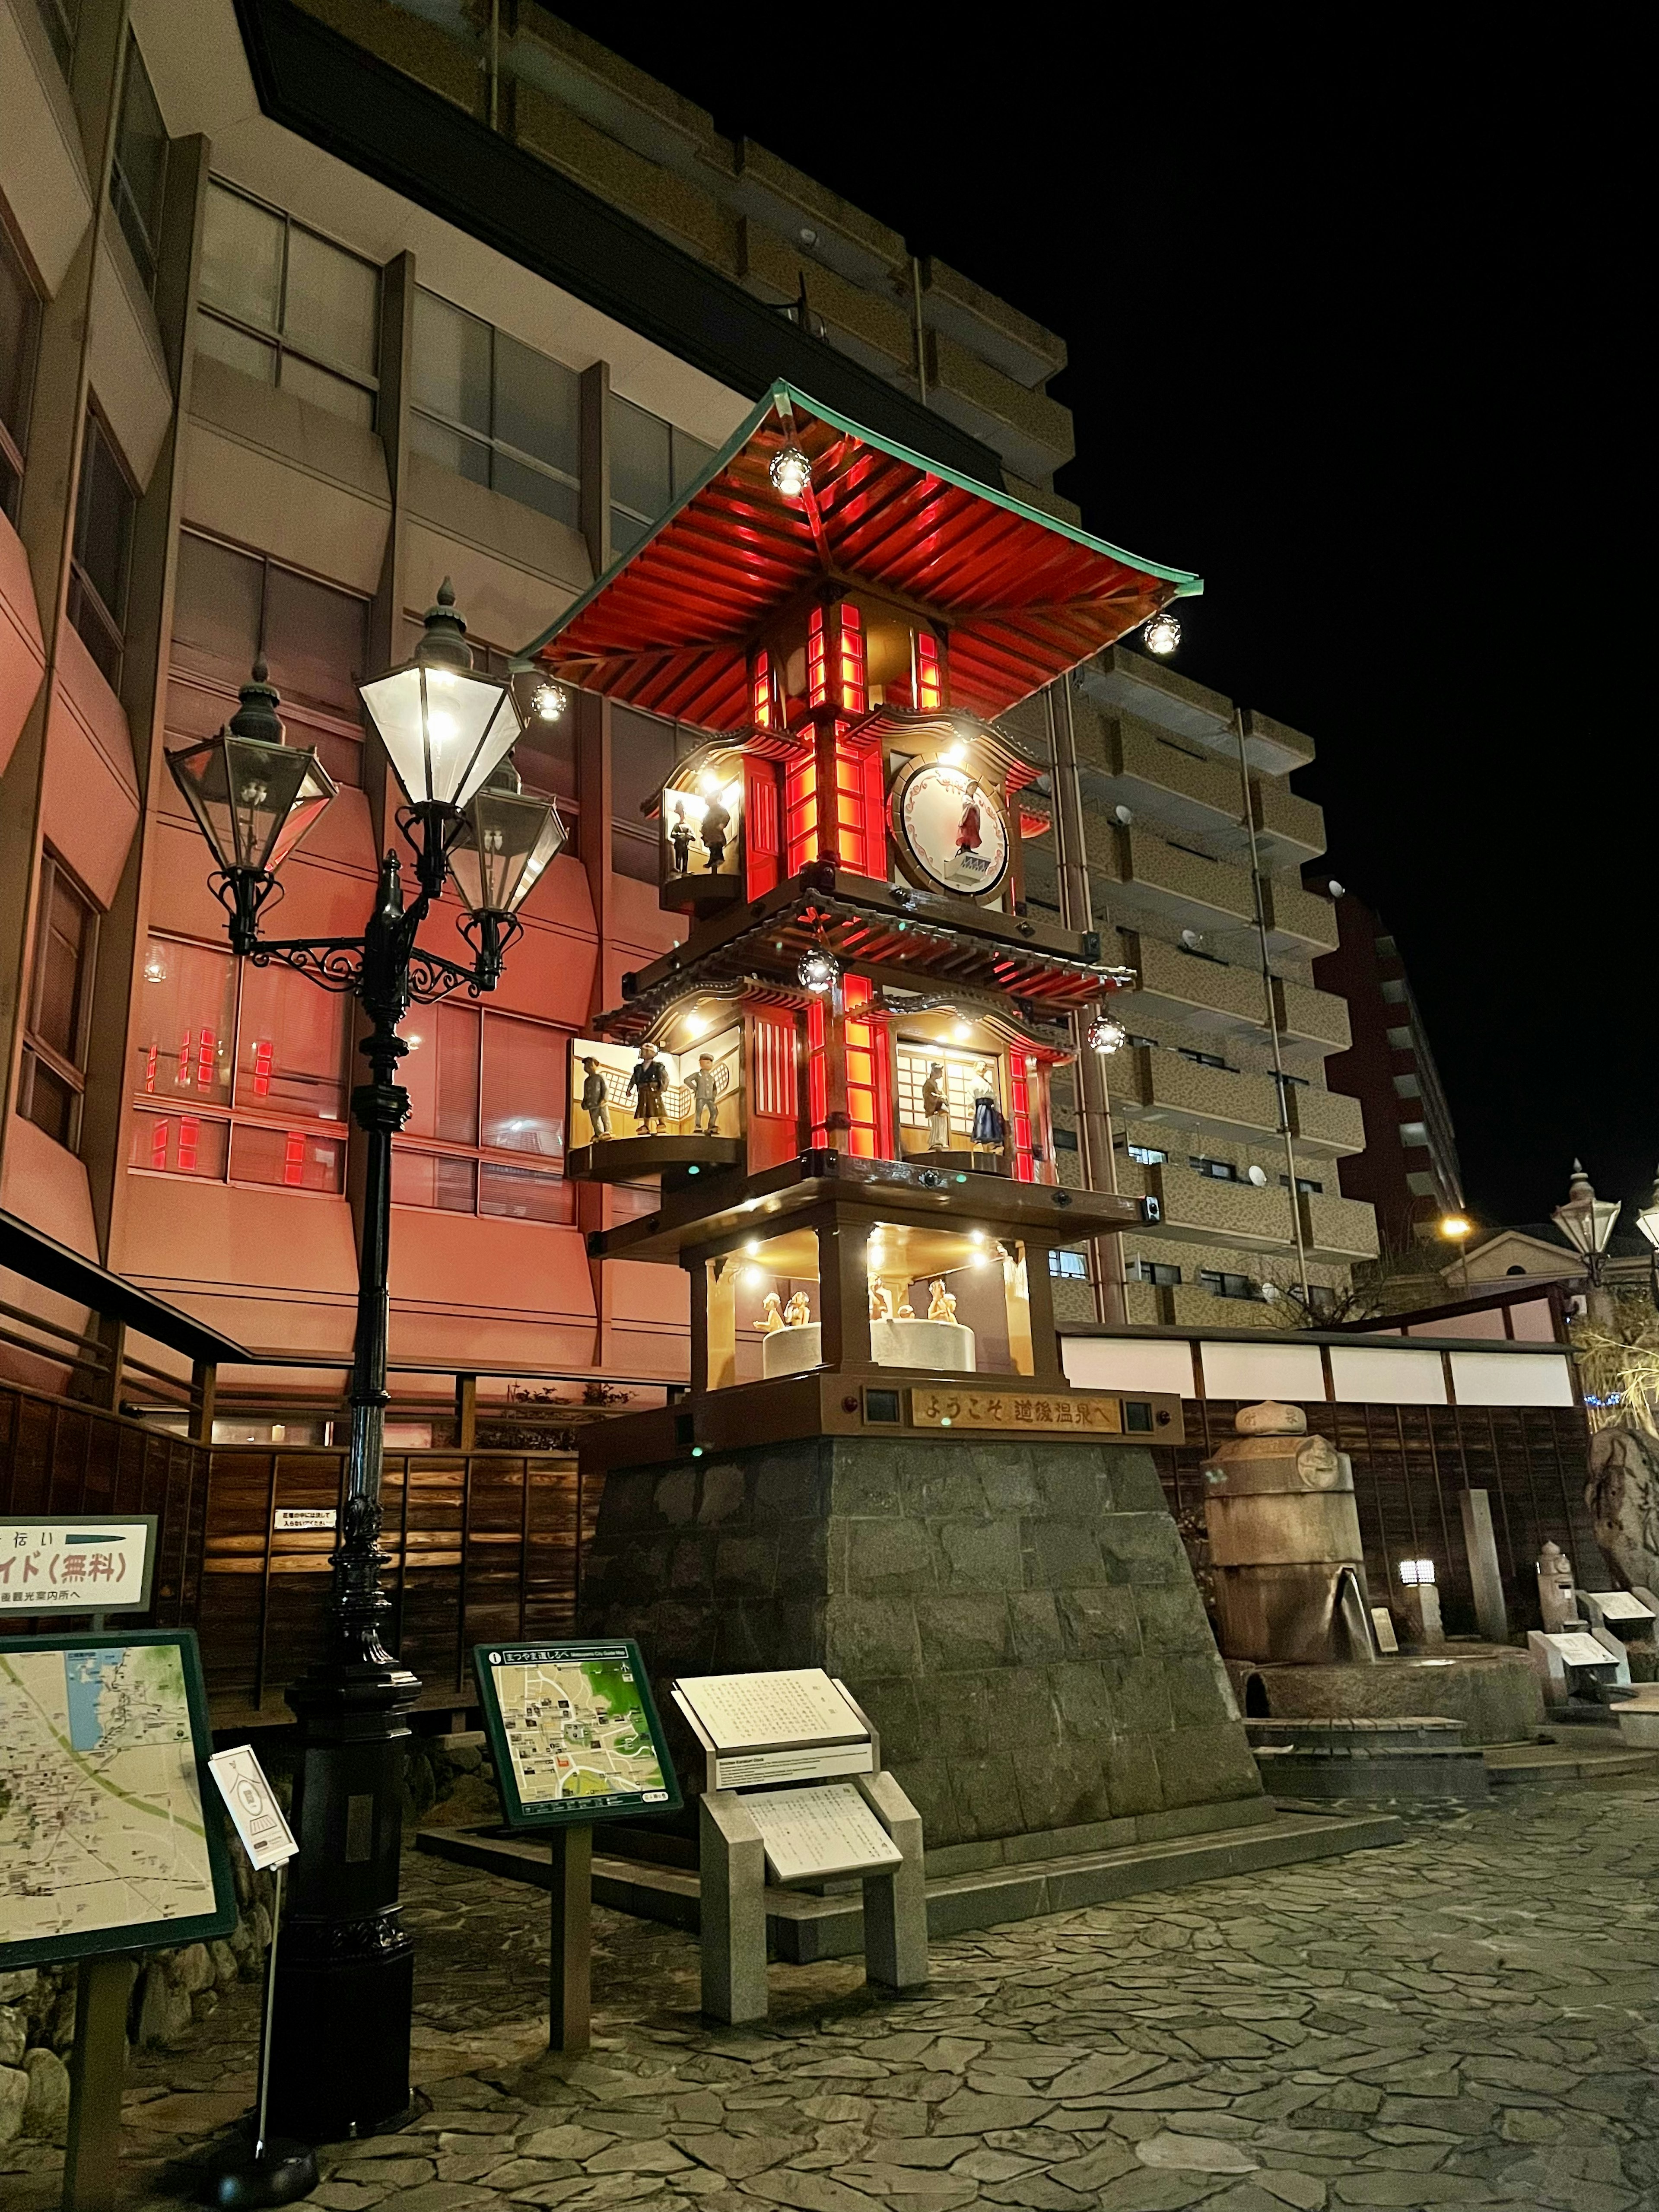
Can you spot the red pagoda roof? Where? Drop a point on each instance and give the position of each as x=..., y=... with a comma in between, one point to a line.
x=1021, y=596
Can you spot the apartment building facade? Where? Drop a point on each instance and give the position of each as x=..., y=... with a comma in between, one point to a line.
x=1216, y=1104
x=304, y=308
x=1409, y=1169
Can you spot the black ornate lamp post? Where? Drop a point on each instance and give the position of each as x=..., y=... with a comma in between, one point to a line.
x=345, y=1988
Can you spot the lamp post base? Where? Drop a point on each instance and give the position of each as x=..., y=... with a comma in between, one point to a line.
x=345, y=1974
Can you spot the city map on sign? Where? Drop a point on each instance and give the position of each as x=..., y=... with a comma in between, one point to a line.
x=104, y=1838
x=575, y=1732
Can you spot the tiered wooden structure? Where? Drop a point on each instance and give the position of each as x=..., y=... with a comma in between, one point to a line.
x=864, y=1001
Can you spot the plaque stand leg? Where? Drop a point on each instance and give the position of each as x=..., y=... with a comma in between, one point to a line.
x=98, y=2068
x=273, y=2169
x=896, y=1902
x=731, y=1861
x=570, y=1974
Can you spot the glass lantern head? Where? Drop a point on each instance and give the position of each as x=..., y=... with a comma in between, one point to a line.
x=1648, y=1219
x=1587, y=1222
x=506, y=841
x=1163, y=634
x=818, y=970
x=1107, y=1035
x=252, y=795
x=445, y=729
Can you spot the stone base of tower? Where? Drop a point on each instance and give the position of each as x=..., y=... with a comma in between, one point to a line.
x=1017, y=1618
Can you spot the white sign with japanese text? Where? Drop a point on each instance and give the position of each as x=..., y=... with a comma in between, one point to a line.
x=99, y=1563
x=252, y=1803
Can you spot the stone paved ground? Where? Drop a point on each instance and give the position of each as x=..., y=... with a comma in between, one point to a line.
x=1469, y=2019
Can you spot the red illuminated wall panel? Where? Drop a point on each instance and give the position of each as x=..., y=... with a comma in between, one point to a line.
x=1021, y=1074
x=773, y=1096
x=869, y=1106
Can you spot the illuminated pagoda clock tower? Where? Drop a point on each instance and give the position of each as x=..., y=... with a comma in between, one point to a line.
x=841, y=1078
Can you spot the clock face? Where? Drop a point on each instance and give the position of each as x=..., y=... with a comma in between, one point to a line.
x=950, y=829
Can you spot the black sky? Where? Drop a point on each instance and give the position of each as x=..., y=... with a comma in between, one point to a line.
x=1352, y=315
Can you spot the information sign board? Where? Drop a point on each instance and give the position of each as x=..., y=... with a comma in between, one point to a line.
x=792, y=1724
x=252, y=1803
x=291, y=1520
x=96, y=1562
x=574, y=1731
x=1618, y=1605
x=1581, y=1651
x=109, y=1840
x=813, y=1835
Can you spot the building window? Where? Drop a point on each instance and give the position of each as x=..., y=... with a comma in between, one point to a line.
x=230, y=607
x=1303, y=1182
x=1322, y=1300
x=1150, y=1044
x=239, y=1071
x=1065, y=1140
x=59, y=1006
x=653, y=464
x=1387, y=949
x=486, y=1131
x=1218, y=1170
x=1400, y=1040
x=62, y=19
x=103, y=551
x=643, y=750
x=20, y=330
x=1153, y=1271
x=1413, y=1134
x=1407, y=1086
x=1148, y=1155
x=138, y=176
x=1393, y=991
x=1072, y=1266
x=494, y=411
x=284, y=304
x=1221, y=1285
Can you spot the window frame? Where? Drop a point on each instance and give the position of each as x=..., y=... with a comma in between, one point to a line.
x=234, y=1112
x=146, y=251
x=676, y=489
x=494, y=444
x=481, y=1155
x=276, y=340
x=81, y=588
x=61, y=20
x=37, y=1051
x=15, y=436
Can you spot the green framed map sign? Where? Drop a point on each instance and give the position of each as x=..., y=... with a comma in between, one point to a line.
x=574, y=1732
x=112, y=1837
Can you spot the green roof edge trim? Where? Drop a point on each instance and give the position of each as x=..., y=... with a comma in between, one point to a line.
x=786, y=396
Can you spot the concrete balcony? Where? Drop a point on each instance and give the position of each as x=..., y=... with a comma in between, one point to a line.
x=1191, y=1306
x=1275, y=746
x=1128, y=683
x=1337, y=1228
x=1199, y=1209
x=1212, y=1100
x=1325, y=1120
x=1170, y=888
x=1122, y=761
x=1315, y=1021
x=1204, y=994
x=1298, y=920
x=1290, y=830
x=1032, y=432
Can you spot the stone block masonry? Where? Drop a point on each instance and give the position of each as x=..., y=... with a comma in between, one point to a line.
x=1018, y=1619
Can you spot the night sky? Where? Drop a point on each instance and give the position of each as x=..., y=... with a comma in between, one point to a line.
x=1350, y=326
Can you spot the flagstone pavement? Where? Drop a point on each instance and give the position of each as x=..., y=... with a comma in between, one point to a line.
x=1471, y=2018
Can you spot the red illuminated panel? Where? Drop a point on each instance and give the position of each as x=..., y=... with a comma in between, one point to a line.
x=149, y=1068
x=774, y=1098
x=817, y=1073
x=817, y=688
x=204, y=1060
x=869, y=1112
x=294, y=1157
x=158, y=1145
x=760, y=826
x=800, y=806
x=761, y=693
x=189, y=1130
x=262, y=1056
x=875, y=819
x=854, y=695
x=1021, y=1072
x=930, y=673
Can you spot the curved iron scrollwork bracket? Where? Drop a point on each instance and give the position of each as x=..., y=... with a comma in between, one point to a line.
x=336, y=963
x=431, y=976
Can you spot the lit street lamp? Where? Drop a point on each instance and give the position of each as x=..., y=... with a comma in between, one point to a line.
x=1457, y=1230
x=1648, y=1222
x=1588, y=1222
x=345, y=1984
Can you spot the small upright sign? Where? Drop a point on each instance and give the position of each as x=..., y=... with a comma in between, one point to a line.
x=96, y=1562
x=264, y=1832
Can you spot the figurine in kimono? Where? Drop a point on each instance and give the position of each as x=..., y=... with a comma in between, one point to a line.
x=936, y=1105
x=704, y=1097
x=970, y=829
x=881, y=1301
x=716, y=821
x=797, y=1314
x=647, y=1080
x=989, y=1129
x=679, y=838
x=941, y=1305
x=595, y=1104
x=771, y=1319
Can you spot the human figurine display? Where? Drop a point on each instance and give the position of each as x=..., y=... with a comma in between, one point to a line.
x=771, y=1319
x=989, y=1127
x=970, y=830
x=881, y=1301
x=595, y=1103
x=679, y=837
x=941, y=1303
x=906, y=1312
x=704, y=1096
x=647, y=1080
x=936, y=1105
x=797, y=1314
x=716, y=821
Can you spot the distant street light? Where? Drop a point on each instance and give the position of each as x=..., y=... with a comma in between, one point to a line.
x=1457, y=1230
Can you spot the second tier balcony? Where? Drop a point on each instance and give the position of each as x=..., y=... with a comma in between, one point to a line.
x=1298, y=920
x=1326, y=1121
x=1334, y=1228
x=1222, y=997
x=1313, y=1022
x=1200, y=1209
x=1217, y=1101
x=1169, y=886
